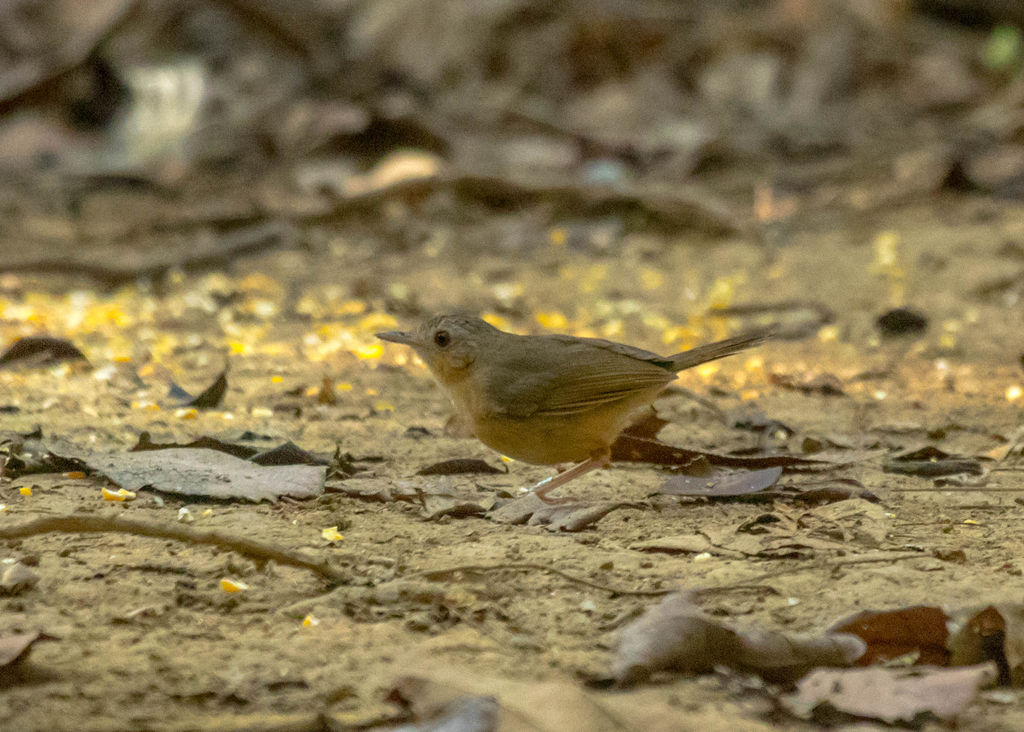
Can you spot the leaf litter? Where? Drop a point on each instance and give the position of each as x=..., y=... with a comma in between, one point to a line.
x=209, y=474
x=40, y=352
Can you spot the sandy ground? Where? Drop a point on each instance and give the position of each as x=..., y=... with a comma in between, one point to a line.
x=148, y=640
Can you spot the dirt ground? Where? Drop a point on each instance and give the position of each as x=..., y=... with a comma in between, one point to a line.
x=147, y=639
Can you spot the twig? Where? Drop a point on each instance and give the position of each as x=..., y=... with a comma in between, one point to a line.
x=89, y=524
x=958, y=489
x=749, y=583
x=529, y=567
x=820, y=565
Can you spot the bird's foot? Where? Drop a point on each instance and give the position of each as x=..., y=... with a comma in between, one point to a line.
x=544, y=487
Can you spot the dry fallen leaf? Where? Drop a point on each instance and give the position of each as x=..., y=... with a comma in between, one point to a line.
x=672, y=636
x=921, y=630
x=785, y=657
x=891, y=695
x=676, y=636
x=738, y=483
x=209, y=398
x=203, y=472
x=39, y=351
x=553, y=705
x=459, y=466
x=15, y=648
x=532, y=511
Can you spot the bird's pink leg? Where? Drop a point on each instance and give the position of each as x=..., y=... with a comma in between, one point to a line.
x=595, y=461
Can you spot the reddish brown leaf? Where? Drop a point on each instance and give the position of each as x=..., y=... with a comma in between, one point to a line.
x=894, y=633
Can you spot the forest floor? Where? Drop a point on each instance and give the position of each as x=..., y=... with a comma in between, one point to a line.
x=145, y=638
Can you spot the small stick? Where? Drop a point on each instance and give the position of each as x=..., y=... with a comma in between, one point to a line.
x=958, y=489
x=527, y=567
x=91, y=524
x=750, y=583
x=842, y=562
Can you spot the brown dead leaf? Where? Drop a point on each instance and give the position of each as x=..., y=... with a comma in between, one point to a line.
x=891, y=695
x=39, y=351
x=208, y=398
x=631, y=449
x=211, y=443
x=931, y=462
x=287, y=454
x=832, y=491
x=920, y=630
x=459, y=466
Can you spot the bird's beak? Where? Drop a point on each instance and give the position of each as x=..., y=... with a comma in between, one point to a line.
x=397, y=336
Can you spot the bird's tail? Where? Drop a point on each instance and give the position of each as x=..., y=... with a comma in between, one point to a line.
x=719, y=349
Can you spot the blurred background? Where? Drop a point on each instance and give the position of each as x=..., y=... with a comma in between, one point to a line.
x=364, y=142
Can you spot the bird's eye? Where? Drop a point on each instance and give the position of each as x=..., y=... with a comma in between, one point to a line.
x=442, y=338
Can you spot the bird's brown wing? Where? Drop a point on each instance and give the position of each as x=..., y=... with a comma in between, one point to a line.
x=562, y=376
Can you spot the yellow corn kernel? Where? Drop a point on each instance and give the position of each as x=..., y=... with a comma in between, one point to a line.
x=331, y=534
x=119, y=495
x=232, y=585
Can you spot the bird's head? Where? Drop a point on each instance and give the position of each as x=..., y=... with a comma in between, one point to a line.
x=448, y=344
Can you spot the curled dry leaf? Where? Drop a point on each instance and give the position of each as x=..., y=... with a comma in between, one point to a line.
x=212, y=443
x=672, y=636
x=287, y=454
x=39, y=351
x=722, y=484
x=211, y=396
x=889, y=694
x=204, y=472
x=675, y=636
x=931, y=462
x=785, y=657
x=532, y=511
x=15, y=648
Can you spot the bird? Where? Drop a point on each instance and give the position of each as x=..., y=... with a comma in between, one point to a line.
x=549, y=399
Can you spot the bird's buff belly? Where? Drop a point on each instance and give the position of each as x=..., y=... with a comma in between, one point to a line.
x=550, y=440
